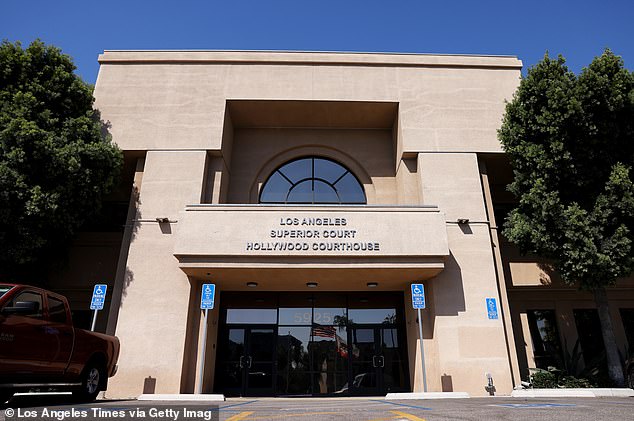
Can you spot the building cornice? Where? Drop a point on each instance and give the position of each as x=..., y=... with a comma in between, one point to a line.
x=307, y=58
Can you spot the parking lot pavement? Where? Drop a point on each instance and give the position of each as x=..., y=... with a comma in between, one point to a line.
x=442, y=409
x=377, y=409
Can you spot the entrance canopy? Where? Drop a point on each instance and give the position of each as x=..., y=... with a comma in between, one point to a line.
x=277, y=244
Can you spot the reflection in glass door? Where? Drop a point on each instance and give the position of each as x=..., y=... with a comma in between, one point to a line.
x=365, y=361
x=247, y=367
x=299, y=344
x=377, y=363
x=393, y=376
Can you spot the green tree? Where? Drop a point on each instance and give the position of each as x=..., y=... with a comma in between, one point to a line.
x=56, y=160
x=570, y=140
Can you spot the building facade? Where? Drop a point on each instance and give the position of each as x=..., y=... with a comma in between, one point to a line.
x=313, y=189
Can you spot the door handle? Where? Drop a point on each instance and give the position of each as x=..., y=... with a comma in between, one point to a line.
x=250, y=360
x=241, y=361
x=378, y=361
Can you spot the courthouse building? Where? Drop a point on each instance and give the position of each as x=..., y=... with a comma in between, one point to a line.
x=313, y=189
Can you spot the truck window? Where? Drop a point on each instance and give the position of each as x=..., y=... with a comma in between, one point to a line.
x=56, y=310
x=29, y=296
x=4, y=289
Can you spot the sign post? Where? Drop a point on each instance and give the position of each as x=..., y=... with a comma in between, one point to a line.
x=206, y=303
x=418, y=302
x=96, y=304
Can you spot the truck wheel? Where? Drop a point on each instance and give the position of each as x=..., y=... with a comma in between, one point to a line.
x=5, y=396
x=91, y=379
x=630, y=378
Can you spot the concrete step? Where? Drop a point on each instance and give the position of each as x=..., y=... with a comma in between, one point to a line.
x=427, y=395
x=203, y=397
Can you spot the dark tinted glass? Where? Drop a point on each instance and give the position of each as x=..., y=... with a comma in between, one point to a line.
x=328, y=382
x=364, y=336
x=328, y=170
x=56, y=310
x=293, y=363
x=312, y=181
x=293, y=345
x=314, y=350
x=330, y=316
x=297, y=171
x=590, y=336
x=545, y=337
x=350, y=188
x=262, y=344
x=329, y=348
x=4, y=289
x=295, y=316
x=325, y=193
x=235, y=344
x=372, y=315
x=252, y=315
x=627, y=316
x=389, y=338
x=301, y=193
x=275, y=189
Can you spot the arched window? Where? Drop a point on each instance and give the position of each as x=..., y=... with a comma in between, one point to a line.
x=311, y=181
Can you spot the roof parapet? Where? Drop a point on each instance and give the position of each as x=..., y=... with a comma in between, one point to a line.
x=307, y=58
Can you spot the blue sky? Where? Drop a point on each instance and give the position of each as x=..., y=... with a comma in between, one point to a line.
x=579, y=30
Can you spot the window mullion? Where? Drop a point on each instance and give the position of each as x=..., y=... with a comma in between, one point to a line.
x=340, y=177
x=312, y=179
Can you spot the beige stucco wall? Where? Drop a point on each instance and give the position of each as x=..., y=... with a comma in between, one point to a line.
x=229, y=232
x=176, y=100
x=153, y=312
x=258, y=152
x=174, y=105
x=465, y=342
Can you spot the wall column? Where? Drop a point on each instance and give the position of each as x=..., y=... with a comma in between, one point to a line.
x=155, y=293
x=469, y=344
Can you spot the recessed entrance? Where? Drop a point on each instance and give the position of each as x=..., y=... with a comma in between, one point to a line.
x=247, y=368
x=321, y=344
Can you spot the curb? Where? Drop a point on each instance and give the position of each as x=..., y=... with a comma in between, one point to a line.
x=427, y=395
x=576, y=393
x=182, y=397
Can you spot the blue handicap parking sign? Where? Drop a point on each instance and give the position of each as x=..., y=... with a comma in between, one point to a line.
x=207, y=297
x=492, y=308
x=98, y=297
x=418, y=295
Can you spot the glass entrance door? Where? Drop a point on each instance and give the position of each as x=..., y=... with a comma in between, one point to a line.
x=247, y=368
x=376, y=362
x=365, y=361
x=311, y=344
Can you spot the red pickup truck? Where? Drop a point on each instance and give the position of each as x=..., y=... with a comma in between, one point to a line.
x=41, y=350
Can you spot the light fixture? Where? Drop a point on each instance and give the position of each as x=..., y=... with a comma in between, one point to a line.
x=162, y=220
x=463, y=221
x=311, y=284
x=372, y=284
x=252, y=284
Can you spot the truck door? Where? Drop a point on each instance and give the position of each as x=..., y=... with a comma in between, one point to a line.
x=26, y=348
x=60, y=330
